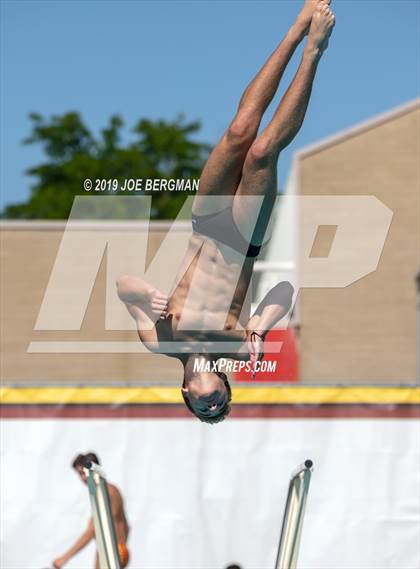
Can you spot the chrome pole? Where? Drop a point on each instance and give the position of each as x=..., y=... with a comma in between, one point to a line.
x=103, y=522
x=291, y=530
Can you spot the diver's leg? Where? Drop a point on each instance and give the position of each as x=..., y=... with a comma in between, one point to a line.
x=259, y=176
x=222, y=172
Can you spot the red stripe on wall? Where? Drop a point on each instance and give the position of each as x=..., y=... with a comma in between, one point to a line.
x=167, y=411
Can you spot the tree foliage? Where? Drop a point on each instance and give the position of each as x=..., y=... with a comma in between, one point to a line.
x=160, y=149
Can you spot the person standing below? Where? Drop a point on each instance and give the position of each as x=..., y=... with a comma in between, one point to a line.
x=118, y=515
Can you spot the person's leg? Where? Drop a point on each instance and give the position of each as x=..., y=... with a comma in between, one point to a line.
x=259, y=176
x=222, y=172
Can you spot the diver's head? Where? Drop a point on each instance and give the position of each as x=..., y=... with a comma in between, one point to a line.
x=80, y=461
x=207, y=394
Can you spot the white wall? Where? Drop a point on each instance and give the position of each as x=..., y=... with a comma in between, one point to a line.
x=200, y=496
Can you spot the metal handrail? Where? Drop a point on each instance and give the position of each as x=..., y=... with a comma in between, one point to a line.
x=288, y=549
x=103, y=522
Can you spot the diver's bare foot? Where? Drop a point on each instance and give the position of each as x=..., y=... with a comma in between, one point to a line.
x=323, y=21
x=303, y=21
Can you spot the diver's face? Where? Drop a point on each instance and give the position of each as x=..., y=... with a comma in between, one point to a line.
x=206, y=392
x=82, y=474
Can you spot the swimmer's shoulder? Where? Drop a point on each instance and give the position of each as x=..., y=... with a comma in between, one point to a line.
x=158, y=339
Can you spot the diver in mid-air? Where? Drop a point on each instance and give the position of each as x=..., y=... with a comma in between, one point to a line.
x=209, y=306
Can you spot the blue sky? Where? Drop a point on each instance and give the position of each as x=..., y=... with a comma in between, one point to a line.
x=156, y=59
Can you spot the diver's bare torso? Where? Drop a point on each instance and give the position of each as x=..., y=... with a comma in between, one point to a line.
x=209, y=303
x=118, y=514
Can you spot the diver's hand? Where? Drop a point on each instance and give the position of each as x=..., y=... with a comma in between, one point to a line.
x=158, y=302
x=59, y=562
x=256, y=350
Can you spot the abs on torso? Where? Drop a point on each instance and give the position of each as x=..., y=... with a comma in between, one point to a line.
x=211, y=291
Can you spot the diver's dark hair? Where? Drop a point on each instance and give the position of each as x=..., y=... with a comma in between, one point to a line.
x=82, y=459
x=223, y=412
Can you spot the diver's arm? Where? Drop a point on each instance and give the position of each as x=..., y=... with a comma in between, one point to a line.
x=271, y=314
x=272, y=308
x=270, y=311
x=134, y=290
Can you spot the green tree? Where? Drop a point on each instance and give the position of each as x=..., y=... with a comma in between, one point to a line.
x=160, y=149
